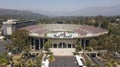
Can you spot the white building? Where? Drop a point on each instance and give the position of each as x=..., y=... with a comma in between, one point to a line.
x=7, y=27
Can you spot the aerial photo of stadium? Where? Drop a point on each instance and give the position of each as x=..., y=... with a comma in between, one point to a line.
x=60, y=33
x=62, y=36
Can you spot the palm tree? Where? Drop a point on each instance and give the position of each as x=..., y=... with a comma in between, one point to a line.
x=18, y=62
x=108, y=64
x=89, y=48
x=47, y=45
x=3, y=62
x=38, y=61
x=29, y=63
x=78, y=46
x=26, y=50
x=51, y=58
x=114, y=62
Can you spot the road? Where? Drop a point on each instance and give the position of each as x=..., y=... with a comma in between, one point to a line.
x=2, y=47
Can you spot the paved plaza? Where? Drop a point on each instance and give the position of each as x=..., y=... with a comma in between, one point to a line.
x=64, y=61
x=62, y=51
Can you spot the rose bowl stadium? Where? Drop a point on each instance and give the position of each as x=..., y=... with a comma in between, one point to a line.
x=60, y=38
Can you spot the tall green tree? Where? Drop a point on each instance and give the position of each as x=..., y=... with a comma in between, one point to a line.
x=47, y=44
x=3, y=60
x=78, y=46
x=19, y=39
x=93, y=43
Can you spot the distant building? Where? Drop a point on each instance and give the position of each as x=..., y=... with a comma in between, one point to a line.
x=13, y=24
x=7, y=27
x=117, y=19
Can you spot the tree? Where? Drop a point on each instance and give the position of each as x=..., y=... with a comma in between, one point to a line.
x=105, y=24
x=93, y=43
x=39, y=61
x=114, y=29
x=89, y=64
x=29, y=63
x=96, y=65
x=102, y=41
x=113, y=62
x=89, y=48
x=3, y=60
x=108, y=64
x=19, y=40
x=47, y=45
x=51, y=57
x=78, y=46
x=18, y=62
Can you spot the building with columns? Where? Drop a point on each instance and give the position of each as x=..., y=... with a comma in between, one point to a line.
x=61, y=36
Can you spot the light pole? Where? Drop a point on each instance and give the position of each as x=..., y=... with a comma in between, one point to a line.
x=10, y=58
x=75, y=63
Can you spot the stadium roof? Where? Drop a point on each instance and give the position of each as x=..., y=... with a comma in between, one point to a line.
x=82, y=30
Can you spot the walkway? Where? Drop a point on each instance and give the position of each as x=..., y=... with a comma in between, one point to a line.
x=62, y=51
x=64, y=61
x=98, y=61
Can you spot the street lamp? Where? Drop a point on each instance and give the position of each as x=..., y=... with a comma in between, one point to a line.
x=10, y=58
x=9, y=54
x=75, y=63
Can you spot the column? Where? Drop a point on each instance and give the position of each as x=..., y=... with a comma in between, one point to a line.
x=31, y=45
x=80, y=42
x=43, y=43
x=72, y=45
x=30, y=41
x=57, y=45
x=84, y=43
x=39, y=44
x=66, y=45
x=34, y=43
x=62, y=44
x=51, y=46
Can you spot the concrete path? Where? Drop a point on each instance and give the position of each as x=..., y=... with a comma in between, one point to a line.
x=98, y=61
x=62, y=51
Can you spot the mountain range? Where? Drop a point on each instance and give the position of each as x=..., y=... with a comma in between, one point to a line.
x=20, y=13
x=95, y=11
x=89, y=11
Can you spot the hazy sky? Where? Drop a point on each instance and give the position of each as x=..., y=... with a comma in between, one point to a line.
x=55, y=5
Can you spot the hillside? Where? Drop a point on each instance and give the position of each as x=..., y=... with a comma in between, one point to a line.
x=94, y=11
x=88, y=11
x=20, y=13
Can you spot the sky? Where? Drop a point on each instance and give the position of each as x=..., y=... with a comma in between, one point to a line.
x=55, y=5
